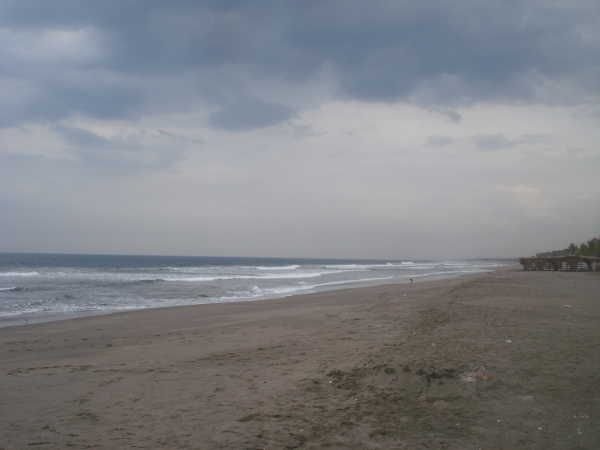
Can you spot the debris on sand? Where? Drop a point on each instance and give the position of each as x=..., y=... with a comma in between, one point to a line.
x=436, y=374
x=479, y=374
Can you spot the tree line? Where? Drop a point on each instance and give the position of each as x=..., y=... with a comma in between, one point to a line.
x=589, y=248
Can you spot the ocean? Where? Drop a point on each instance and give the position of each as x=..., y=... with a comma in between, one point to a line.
x=47, y=287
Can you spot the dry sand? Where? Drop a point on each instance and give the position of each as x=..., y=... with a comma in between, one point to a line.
x=508, y=360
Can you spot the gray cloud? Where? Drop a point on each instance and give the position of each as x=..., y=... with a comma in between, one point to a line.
x=492, y=142
x=123, y=154
x=96, y=90
x=440, y=141
x=451, y=115
x=498, y=141
x=52, y=101
x=249, y=113
x=180, y=139
x=82, y=138
x=489, y=142
x=440, y=53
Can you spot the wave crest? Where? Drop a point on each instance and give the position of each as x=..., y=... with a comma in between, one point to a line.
x=290, y=267
x=19, y=274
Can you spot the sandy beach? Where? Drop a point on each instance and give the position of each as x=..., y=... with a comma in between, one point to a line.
x=505, y=360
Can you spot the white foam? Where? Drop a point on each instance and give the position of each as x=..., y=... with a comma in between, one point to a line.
x=196, y=269
x=19, y=274
x=271, y=276
x=276, y=276
x=246, y=283
x=63, y=308
x=360, y=280
x=21, y=312
x=347, y=267
x=257, y=292
x=203, y=269
x=449, y=272
x=290, y=267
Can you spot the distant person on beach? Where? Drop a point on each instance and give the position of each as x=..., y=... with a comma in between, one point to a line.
x=411, y=280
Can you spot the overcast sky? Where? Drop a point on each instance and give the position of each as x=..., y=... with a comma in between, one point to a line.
x=379, y=129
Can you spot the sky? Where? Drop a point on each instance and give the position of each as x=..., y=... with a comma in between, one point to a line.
x=351, y=129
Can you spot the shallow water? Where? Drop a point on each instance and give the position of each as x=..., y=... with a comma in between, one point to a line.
x=45, y=287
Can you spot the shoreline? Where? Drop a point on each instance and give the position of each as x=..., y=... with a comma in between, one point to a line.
x=501, y=360
x=93, y=314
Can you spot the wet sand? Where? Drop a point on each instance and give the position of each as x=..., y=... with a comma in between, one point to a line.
x=507, y=360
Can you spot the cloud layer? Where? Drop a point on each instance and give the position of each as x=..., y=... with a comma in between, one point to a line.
x=430, y=124
x=105, y=60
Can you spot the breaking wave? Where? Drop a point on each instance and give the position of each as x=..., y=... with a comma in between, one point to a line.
x=12, y=289
x=290, y=267
x=19, y=274
x=271, y=276
x=279, y=291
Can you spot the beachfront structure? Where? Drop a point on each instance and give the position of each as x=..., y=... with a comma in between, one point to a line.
x=570, y=263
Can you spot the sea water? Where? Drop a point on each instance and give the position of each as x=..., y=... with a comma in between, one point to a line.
x=45, y=287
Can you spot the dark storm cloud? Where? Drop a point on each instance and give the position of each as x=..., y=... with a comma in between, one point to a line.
x=91, y=99
x=434, y=53
x=55, y=100
x=244, y=114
